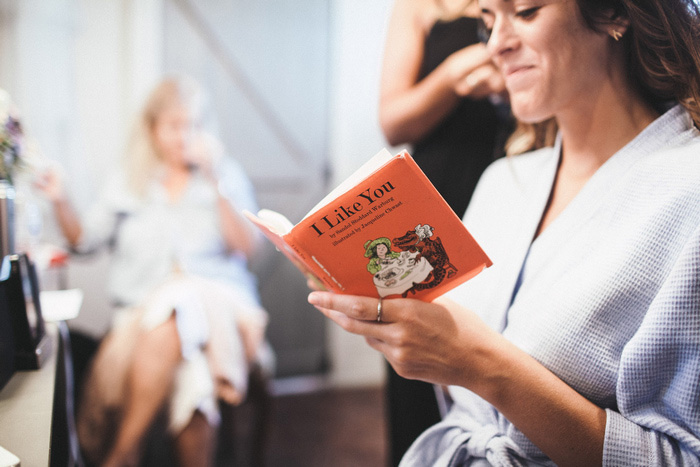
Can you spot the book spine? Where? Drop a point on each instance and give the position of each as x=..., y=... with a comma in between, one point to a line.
x=316, y=269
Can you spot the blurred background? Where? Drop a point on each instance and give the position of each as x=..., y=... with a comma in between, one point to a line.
x=294, y=84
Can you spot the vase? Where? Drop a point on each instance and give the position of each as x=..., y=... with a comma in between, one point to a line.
x=7, y=218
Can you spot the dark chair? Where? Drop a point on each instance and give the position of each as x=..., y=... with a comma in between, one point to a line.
x=244, y=428
x=243, y=431
x=65, y=450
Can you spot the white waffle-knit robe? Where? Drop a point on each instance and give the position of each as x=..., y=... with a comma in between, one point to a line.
x=609, y=300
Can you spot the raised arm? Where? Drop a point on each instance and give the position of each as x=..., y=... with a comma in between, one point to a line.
x=408, y=108
x=237, y=231
x=233, y=189
x=50, y=182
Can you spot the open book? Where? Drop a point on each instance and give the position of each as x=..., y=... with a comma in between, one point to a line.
x=383, y=232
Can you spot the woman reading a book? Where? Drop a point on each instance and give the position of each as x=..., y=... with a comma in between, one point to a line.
x=581, y=344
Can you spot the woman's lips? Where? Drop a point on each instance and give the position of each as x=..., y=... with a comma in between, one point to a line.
x=517, y=75
x=512, y=69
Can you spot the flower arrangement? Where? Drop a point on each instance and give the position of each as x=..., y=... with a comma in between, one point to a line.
x=11, y=138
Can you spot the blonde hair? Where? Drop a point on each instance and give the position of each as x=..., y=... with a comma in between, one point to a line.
x=142, y=158
x=530, y=136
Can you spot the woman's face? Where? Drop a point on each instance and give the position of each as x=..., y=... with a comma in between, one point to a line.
x=550, y=60
x=382, y=250
x=173, y=130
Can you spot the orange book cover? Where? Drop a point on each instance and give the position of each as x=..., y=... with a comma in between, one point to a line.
x=384, y=232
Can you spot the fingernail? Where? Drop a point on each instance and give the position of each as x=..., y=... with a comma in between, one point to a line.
x=313, y=298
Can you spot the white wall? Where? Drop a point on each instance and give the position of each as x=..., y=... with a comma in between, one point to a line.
x=117, y=58
x=77, y=70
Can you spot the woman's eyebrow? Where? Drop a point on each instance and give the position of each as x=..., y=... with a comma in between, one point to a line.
x=486, y=9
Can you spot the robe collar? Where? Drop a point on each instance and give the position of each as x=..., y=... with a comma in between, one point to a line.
x=671, y=129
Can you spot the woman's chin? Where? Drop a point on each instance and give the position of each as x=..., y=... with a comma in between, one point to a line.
x=527, y=110
x=529, y=117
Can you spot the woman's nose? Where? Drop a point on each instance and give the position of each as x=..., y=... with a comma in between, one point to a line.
x=502, y=37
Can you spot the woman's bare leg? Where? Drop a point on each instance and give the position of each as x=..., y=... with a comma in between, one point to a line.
x=195, y=445
x=149, y=383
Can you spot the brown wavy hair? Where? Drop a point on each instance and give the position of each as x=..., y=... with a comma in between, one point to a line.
x=663, y=49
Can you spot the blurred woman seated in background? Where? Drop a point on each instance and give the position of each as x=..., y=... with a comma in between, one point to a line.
x=189, y=320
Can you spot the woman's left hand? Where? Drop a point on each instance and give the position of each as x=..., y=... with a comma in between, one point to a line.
x=439, y=342
x=205, y=154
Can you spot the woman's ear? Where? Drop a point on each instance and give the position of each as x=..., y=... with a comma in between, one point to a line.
x=617, y=24
x=618, y=29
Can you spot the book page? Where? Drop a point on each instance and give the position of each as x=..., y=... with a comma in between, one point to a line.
x=279, y=223
x=379, y=159
x=275, y=221
x=8, y=459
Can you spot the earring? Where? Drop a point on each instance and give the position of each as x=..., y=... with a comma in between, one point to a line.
x=617, y=35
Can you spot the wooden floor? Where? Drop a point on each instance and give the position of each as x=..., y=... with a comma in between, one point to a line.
x=331, y=427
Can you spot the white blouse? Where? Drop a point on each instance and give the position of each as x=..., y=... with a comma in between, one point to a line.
x=150, y=237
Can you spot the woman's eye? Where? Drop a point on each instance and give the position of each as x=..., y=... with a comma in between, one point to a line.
x=527, y=13
x=483, y=31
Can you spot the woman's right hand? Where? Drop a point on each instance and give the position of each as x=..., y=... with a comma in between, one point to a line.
x=205, y=154
x=438, y=342
x=49, y=181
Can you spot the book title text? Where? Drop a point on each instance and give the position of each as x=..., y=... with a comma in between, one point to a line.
x=345, y=212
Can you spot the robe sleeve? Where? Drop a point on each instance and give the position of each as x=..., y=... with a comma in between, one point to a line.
x=658, y=390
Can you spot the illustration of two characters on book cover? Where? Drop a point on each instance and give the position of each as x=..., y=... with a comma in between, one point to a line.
x=408, y=264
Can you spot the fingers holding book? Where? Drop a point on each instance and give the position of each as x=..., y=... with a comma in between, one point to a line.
x=425, y=341
x=367, y=310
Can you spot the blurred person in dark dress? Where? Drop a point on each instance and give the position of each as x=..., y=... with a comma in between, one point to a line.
x=441, y=95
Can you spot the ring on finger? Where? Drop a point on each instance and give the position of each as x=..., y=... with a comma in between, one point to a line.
x=379, y=311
